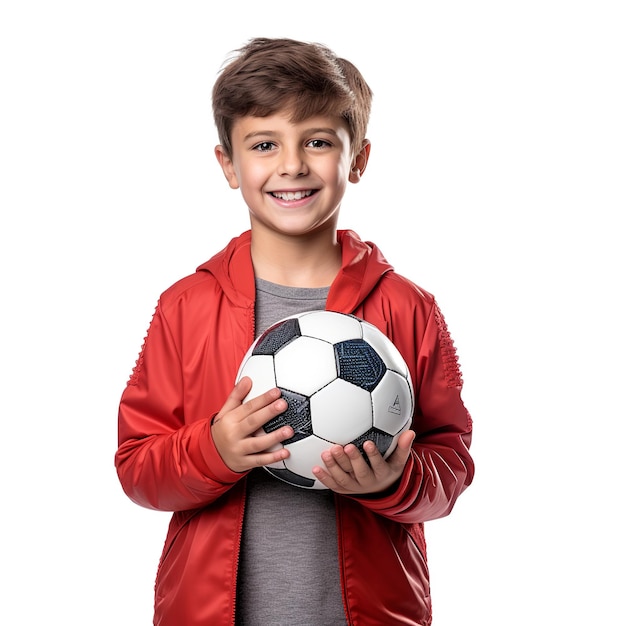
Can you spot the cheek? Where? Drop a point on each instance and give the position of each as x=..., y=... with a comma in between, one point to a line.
x=340, y=175
x=344, y=167
x=333, y=172
x=252, y=175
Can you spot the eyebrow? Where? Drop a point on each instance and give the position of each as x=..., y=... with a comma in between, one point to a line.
x=272, y=133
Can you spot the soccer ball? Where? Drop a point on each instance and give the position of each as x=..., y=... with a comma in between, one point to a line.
x=344, y=382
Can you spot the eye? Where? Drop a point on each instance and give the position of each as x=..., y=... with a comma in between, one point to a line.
x=264, y=146
x=318, y=143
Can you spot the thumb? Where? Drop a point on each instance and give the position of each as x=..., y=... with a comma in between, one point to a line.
x=400, y=455
x=235, y=397
x=405, y=440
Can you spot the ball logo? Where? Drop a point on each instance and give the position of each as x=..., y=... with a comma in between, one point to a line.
x=395, y=407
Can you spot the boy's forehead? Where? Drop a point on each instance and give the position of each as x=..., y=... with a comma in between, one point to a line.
x=283, y=120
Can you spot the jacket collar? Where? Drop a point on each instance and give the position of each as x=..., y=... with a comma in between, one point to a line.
x=362, y=266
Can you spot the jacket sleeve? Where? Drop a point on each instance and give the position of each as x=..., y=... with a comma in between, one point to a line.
x=440, y=467
x=164, y=462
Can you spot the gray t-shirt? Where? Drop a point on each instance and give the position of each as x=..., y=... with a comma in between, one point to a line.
x=288, y=569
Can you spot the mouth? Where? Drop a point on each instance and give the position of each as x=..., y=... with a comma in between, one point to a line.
x=289, y=196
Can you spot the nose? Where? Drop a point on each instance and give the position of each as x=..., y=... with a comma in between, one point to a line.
x=292, y=162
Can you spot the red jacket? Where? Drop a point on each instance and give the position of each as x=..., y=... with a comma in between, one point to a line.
x=167, y=460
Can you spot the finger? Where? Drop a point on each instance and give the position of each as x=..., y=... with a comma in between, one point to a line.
x=263, y=441
x=405, y=441
x=361, y=469
x=271, y=456
x=331, y=475
x=242, y=389
x=264, y=399
x=325, y=478
x=339, y=456
x=374, y=457
x=241, y=412
x=252, y=455
x=400, y=455
x=236, y=396
x=344, y=479
x=261, y=410
x=336, y=461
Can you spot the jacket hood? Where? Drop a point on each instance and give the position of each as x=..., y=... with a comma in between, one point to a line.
x=362, y=266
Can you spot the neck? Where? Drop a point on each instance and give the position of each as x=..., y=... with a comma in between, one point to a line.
x=296, y=262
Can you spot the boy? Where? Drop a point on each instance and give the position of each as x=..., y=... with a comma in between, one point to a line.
x=242, y=546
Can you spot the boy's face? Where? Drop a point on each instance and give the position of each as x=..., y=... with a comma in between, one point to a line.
x=292, y=175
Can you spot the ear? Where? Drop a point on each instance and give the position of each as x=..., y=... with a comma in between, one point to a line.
x=359, y=162
x=227, y=166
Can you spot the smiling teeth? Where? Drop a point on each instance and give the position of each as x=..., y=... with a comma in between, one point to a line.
x=292, y=195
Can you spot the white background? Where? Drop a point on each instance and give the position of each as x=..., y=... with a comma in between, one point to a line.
x=496, y=181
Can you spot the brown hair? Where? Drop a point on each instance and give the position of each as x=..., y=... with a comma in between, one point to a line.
x=268, y=75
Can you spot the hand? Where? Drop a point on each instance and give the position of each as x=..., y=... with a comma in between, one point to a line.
x=235, y=428
x=347, y=472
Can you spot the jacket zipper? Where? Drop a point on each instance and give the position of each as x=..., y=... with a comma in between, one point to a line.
x=243, y=509
x=238, y=553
